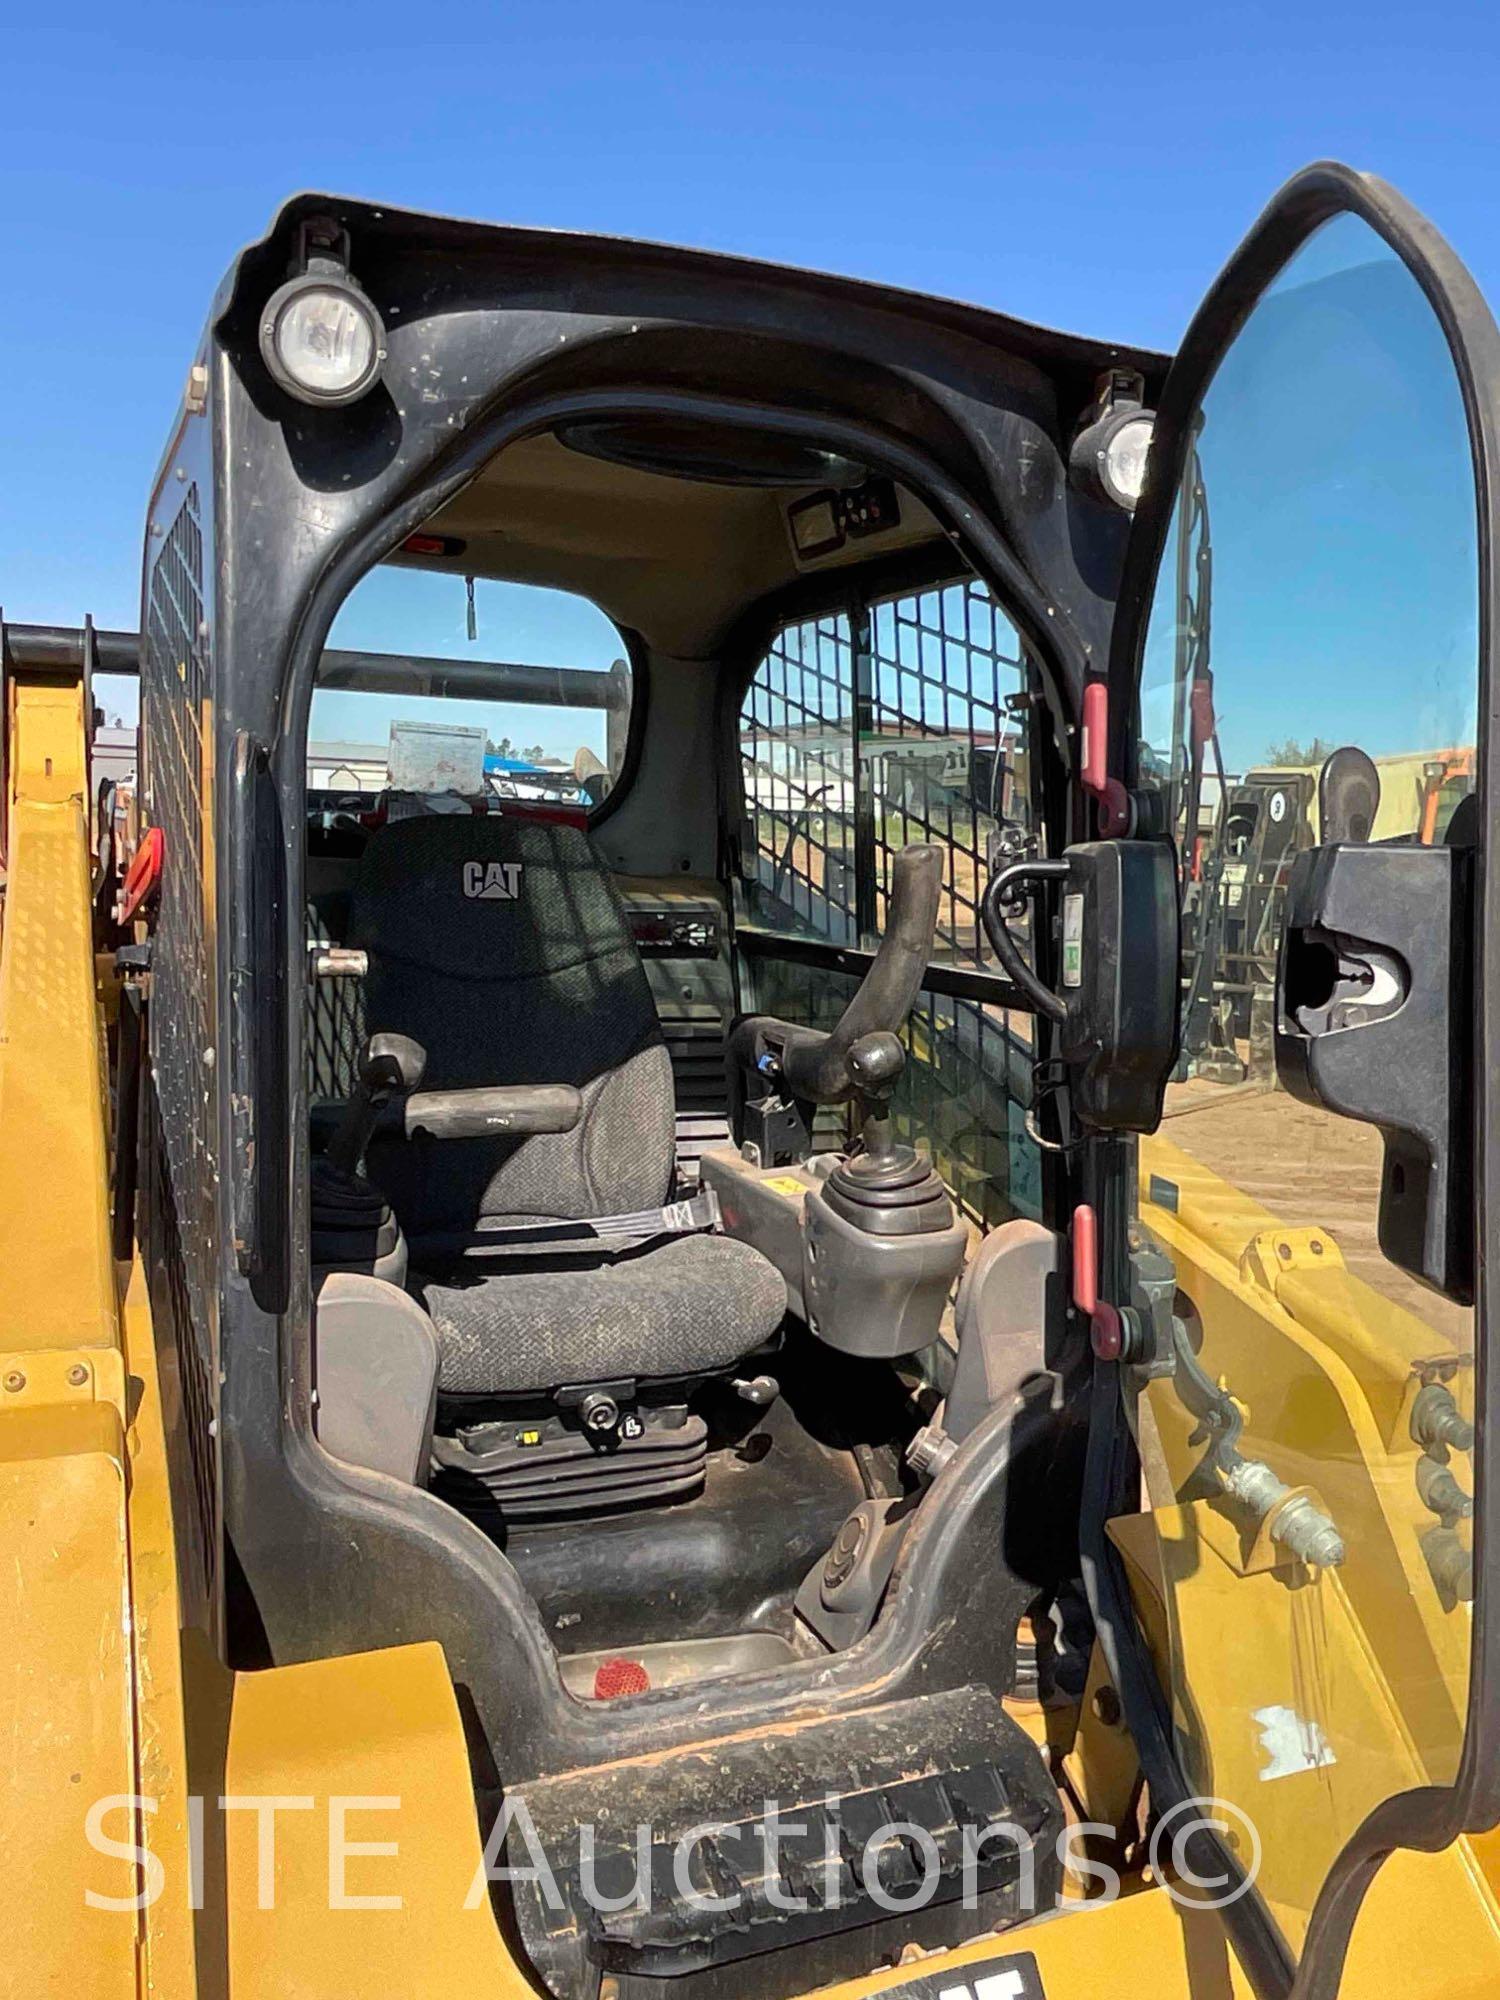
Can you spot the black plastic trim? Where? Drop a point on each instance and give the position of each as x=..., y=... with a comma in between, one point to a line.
x=638, y=656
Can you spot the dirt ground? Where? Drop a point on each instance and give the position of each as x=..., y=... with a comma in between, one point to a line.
x=1308, y=1168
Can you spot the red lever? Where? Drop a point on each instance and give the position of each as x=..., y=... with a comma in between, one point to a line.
x=143, y=876
x=1106, y=1329
x=1093, y=761
x=1085, y=1259
x=1201, y=709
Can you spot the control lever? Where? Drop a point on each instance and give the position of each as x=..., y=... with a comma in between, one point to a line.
x=389, y=1065
x=790, y=1066
x=876, y=1063
x=815, y=1066
x=885, y=1171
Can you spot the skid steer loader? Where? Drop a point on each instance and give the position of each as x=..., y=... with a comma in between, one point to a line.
x=633, y=1369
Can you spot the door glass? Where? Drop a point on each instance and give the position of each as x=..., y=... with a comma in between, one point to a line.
x=1319, y=589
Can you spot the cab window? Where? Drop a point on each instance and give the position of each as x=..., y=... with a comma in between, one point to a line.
x=534, y=706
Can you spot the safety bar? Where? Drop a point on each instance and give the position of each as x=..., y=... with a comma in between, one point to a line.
x=44, y=647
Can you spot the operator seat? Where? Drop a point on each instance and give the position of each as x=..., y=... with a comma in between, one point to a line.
x=501, y=946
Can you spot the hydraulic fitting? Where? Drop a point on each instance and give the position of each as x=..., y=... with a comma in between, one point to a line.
x=1437, y=1423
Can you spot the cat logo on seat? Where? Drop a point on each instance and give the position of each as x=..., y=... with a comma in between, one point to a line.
x=493, y=881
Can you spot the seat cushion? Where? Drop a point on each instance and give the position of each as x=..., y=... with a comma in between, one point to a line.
x=686, y=1306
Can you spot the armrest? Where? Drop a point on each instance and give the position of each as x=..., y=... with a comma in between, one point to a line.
x=499, y=1111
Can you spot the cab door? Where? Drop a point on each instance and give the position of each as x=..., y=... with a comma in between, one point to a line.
x=1302, y=701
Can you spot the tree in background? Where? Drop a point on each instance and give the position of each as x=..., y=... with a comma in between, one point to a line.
x=1293, y=752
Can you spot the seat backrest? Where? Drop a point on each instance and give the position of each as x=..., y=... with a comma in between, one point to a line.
x=502, y=946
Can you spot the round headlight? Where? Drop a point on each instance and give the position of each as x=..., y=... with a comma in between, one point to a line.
x=1122, y=462
x=322, y=340
x=1109, y=458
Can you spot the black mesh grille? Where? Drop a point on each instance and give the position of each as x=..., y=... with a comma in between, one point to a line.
x=173, y=1311
x=182, y=1210
x=943, y=745
x=902, y=721
x=797, y=745
x=335, y=1023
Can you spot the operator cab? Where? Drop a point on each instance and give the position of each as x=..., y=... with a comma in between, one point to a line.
x=613, y=1116
x=652, y=1284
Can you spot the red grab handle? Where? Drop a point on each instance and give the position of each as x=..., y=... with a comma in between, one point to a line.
x=1093, y=772
x=1108, y=793
x=1085, y=1259
x=1106, y=1328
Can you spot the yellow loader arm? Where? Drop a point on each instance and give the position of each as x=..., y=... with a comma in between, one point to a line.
x=121, y=1733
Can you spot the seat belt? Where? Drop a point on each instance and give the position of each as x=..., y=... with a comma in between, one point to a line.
x=677, y=1218
x=610, y=1232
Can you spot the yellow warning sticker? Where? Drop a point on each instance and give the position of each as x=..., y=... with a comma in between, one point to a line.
x=787, y=1184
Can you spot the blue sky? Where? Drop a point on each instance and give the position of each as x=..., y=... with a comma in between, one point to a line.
x=1073, y=164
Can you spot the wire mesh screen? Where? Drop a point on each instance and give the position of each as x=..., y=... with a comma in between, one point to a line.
x=903, y=720
x=798, y=757
x=180, y=1126
x=944, y=747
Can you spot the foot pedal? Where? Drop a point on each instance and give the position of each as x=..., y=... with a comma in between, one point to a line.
x=548, y=1469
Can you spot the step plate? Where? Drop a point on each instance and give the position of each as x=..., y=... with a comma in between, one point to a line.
x=777, y=1860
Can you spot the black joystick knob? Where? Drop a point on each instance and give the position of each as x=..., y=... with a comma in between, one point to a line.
x=875, y=1064
x=389, y=1065
x=885, y=1173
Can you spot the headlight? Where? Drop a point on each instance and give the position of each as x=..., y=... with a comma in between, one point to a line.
x=1122, y=462
x=1110, y=456
x=322, y=340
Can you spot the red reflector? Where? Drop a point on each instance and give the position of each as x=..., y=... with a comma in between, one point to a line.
x=432, y=545
x=617, y=1677
x=143, y=876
